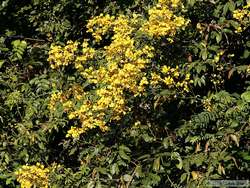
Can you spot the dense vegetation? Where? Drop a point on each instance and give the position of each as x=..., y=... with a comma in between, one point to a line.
x=134, y=93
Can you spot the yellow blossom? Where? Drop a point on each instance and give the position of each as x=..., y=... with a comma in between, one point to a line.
x=162, y=21
x=62, y=56
x=33, y=176
x=165, y=69
x=117, y=68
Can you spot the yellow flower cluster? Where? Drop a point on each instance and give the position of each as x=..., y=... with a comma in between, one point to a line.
x=122, y=71
x=248, y=69
x=121, y=26
x=117, y=69
x=207, y=104
x=76, y=92
x=93, y=114
x=243, y=16
x=171, y=79
x=55, y=97
x=240, y=14
x=62, y=56
x=88, y=53
x=100, y=25
x=33, y=176
x=171, y=3
x=162, y=20
x=217, y=57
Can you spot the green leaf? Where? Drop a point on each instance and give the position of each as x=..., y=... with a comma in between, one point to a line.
x=23, y=44
x=16, y=43
x=246, y=96
x=191, y=2
x=204, y=54
x=234, y=124
x=176, y=156
x=2, y=61
x=102, y=170
x=41, y=145
x=19, y=56
x=245, y=155
x=248, y=44
x=218, y=37
x=228, y=31
x=138, y=171
x=123, y=155
x=156, y=165
x=6, y=159
x=147, y=138
x=98, y=185
x=146, y=156
x=246, y=54
x=235, y=24
x=167, y=142
x=72, y=151
x=123, y=150
x=183, y=177
x=231, y=6
x=225, y=8
x=114, y=169
x=10, y=181
x=247, y=158
x=166, y=92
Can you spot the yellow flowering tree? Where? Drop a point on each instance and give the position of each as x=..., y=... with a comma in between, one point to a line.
x=121, y=68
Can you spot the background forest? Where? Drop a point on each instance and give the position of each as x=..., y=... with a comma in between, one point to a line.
x=135, y=93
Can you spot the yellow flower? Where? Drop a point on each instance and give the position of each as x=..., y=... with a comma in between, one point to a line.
x=165, y=69
x=33, y=176
x=168, y=80
x=59, y=56
x=71, y=115
x=162, y=21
